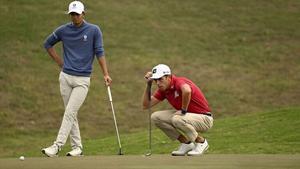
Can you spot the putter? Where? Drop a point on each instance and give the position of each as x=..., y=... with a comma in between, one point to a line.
x=150, y=125
x=150, y=135
x=115, y=121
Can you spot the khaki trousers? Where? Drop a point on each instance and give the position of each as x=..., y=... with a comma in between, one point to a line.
x=174, y=125
x=73, y=90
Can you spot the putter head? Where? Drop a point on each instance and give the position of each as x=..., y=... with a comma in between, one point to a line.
x=148, y=154
x=120, y=152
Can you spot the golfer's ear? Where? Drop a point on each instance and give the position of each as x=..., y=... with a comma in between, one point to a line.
x=168, y=76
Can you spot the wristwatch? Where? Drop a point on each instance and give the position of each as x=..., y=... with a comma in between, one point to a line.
x=183, y=111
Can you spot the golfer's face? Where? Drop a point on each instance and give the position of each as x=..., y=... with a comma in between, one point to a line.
x=76, y=18
x=162, y=83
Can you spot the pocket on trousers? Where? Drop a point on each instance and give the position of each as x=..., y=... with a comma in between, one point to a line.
x=60, y=77
x=87, y=81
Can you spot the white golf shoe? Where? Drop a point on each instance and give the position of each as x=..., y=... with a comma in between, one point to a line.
x=76, y=152
x=183, y=149
x=199, y=149
x=51, y=151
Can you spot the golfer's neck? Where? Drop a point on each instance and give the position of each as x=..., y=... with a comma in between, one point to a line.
x=78, y=24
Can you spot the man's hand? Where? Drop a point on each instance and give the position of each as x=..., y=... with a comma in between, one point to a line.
x=178, y=112
x=52, y=52
x=148, y=76
x=107, y=80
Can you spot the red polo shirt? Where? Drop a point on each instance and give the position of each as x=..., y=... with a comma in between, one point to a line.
x=198, y=103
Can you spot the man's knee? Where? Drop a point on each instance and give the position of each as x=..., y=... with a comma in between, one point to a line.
x=70, y=115
x=178, y=121
x=155, y=117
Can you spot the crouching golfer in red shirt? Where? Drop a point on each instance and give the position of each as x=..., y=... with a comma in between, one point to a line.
x=191, y=115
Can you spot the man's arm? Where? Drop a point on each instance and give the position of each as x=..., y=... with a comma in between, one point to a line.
x=51, y=51
x=186, y=96
x=102, y=63
x=147, y=103
x=148, y=100
x=49, y=43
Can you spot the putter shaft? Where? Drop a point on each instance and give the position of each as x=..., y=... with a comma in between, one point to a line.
x=115, y=121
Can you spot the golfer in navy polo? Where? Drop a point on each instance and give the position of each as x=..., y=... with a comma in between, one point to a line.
x=81, y=42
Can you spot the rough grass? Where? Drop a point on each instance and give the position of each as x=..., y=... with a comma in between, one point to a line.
x=272, y=132
x=243, y=54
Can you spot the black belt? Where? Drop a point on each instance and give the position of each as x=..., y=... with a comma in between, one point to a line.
x=207, y=114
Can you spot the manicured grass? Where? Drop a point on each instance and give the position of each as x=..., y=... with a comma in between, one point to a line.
x=211, y=161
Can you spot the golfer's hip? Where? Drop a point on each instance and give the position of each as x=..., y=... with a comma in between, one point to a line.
x=74, y=80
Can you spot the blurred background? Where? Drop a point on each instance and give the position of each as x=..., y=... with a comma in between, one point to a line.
x=244, y=55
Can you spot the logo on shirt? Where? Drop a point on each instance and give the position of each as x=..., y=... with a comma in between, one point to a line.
x=176, y=94
x=84, y=37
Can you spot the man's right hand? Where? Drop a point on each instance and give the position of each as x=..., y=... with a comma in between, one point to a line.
x=148, y=76
x=52, y=52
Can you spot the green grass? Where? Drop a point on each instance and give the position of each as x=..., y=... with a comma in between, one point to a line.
x=243, y=54
x=274, y=132
x=257, y=133
x=211, y=161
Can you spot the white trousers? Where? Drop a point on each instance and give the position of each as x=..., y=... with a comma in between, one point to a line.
x=73, y=90
x=174, y=125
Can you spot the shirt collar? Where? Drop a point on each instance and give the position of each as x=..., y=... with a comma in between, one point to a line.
x=83, y=23
x=172, y=83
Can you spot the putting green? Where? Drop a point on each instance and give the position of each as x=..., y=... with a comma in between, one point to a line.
x=211, y=161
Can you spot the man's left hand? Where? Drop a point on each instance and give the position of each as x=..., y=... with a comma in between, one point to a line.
x=178, y=112
x=107, y=80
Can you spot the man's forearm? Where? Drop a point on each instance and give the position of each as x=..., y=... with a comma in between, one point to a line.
x=102, y=63
x=51, y=51
x=186, y=97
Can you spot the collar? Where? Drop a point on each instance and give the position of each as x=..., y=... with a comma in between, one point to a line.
x=172, y=87
x=83, y=23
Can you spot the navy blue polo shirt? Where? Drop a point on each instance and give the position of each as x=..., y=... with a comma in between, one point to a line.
x=80, y=46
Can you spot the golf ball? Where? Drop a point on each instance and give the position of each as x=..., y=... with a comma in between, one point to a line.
x=22, y=158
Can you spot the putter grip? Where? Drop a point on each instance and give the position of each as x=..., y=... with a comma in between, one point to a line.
x=109, y=93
